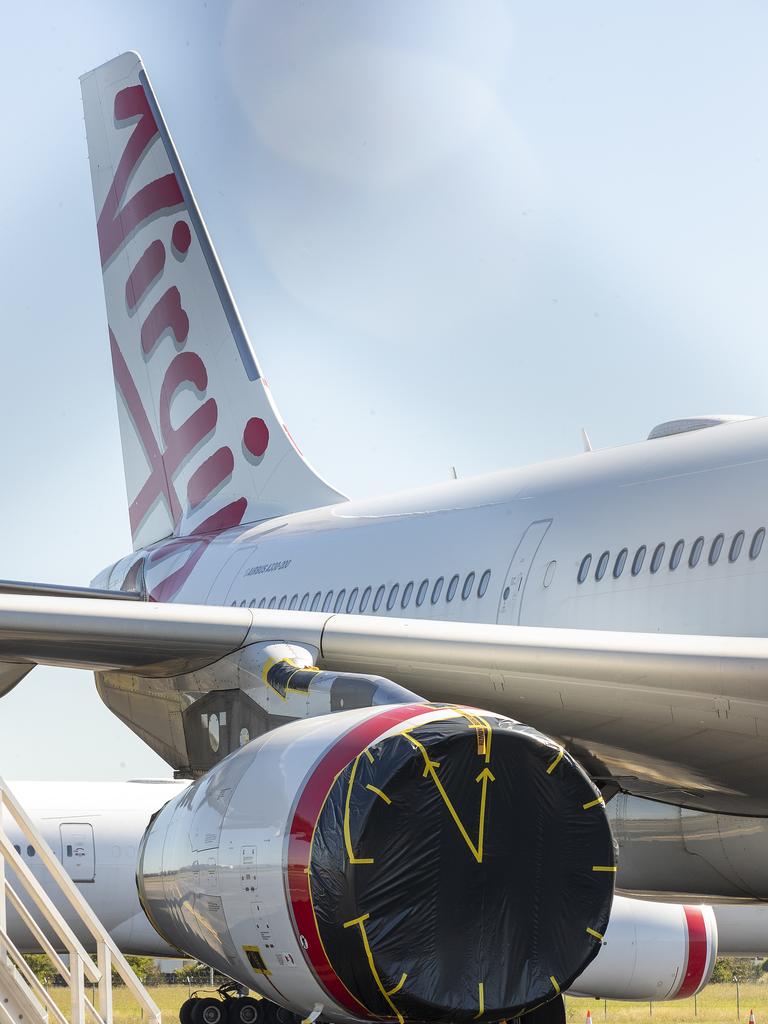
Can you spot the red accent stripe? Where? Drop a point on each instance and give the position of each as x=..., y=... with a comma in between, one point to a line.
x=308, y=809
x=698, y=952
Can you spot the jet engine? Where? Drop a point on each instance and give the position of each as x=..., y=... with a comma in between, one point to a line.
x=412, y=861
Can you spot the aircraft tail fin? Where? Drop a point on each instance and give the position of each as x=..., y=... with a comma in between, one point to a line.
x=204, y=447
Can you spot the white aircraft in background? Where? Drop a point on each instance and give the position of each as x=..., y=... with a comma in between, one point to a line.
x=372, y=834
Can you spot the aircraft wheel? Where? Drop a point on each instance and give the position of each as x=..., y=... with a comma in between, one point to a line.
x=185, y=1011
x=244, y=1010
x=208, y=1011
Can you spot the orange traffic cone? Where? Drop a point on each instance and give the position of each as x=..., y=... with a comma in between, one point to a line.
x=751, y=1017
x=589, y=1018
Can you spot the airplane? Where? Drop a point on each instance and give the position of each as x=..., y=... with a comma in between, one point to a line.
x=412, y=726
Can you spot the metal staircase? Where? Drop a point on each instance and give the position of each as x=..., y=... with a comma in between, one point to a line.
x=23, y=999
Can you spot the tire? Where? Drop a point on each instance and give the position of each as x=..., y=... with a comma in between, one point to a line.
x=244, y=1010
x=209, y=1011
x=185, y=1011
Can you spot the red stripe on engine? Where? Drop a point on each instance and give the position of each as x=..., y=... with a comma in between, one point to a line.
x=303, y=825
x=698, y=952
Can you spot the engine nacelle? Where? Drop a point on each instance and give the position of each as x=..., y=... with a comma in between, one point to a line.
x=410, y=861
x=652, y=951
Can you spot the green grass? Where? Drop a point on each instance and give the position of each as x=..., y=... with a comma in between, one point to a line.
x=715, y=1005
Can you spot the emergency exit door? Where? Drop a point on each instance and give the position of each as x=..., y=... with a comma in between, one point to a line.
x=78, y=853
x=513, y=590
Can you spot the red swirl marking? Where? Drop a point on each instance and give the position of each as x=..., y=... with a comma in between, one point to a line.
x=698, y=952
x=167, y=314
x=210, y=475
x=144, y=274
x=116, y=223
x=303, y=824
x=256, y=436
x=181, y=236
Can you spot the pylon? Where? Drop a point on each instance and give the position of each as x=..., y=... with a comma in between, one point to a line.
x=751, y=1017
x=589, y=1018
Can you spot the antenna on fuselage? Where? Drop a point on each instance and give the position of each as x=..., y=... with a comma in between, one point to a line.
x=454, y=474
x=585, y=440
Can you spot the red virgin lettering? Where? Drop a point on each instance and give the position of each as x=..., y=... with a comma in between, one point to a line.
x=166, y=315
x=144, y=274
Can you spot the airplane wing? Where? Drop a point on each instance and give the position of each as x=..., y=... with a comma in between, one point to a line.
x=678, y=718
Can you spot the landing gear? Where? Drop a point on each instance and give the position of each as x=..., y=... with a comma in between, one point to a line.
x=208, y=1011
x=232, y=1008
x=245, y=1010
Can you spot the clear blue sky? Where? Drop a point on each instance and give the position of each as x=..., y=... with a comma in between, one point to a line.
x=458, y=231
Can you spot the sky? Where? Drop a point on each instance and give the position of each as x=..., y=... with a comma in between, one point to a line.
x=458, y=232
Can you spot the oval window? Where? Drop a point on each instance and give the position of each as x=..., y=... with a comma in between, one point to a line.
x=423, y=588
x=327, y=601
x=757, y=543
x=451, y=591
x=365, y=599
x=696, y=549
x=407, y=591
x=304, y=602
x=549, y=573
x=602, y=565
x=252, y=603
x=352, y=600
x=482, y=586
x=658, y=557
x=316, y=601
x=272, y=602
x=339, y=600
x=736, y=545
x=245, y=737
x=262, y=602
x=392, y=596
x=283, y=601
x=469, y=582
x=294, y=602
x=584, y=568
x=637, y=562
x=437, y=589
x=213, y=732
x=378, y=598
x=621, y=561
x=677, y=554
x=715, y=548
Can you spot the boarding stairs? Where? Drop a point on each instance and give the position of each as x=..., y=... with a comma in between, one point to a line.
x=23, y=998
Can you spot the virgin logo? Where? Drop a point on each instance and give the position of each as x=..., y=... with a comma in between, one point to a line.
x=119, y=221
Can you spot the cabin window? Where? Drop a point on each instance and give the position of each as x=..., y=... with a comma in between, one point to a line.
x=283, y=601
x=736, y=545
x=352, y=599
x=407, y=591
x=437, y=589
x=757, y=543
x=304, y=602
x=365, y=599
x=327, y=601
x=262, y=602
x=294, y=602
x=602, y=565
x=272, y=602
x=378, y=598
x=392, y=596
x=316, y=602
x=657, y=557
x=422, y=593
x=584, y=568
x=242, y=603
x=618, y=565
x=469, y=582
x=677, y=554
x=637, y=563
x=451, y=591
x=716, y=548
x=340, y=600
x=485, y=579
x=695, y=555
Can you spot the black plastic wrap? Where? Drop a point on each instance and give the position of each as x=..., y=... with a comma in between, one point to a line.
x=453, y=872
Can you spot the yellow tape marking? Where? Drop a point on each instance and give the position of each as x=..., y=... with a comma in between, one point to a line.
x=485, y=776
x=398, y=986
x=556, y=762
x=360, y=921
x=594, y=934
x=481, y=1000
x=555, y=986
x=378, y=792
x=369, y=755
x=347, y=837
x=593, y=803
x=598, y=867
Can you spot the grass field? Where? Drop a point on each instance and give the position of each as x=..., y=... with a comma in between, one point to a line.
x=716, y=1005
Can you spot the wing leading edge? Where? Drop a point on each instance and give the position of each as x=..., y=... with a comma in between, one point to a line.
x=678, y=718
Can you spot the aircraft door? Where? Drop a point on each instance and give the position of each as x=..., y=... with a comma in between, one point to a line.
x=78, y=852
x=513, y=590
